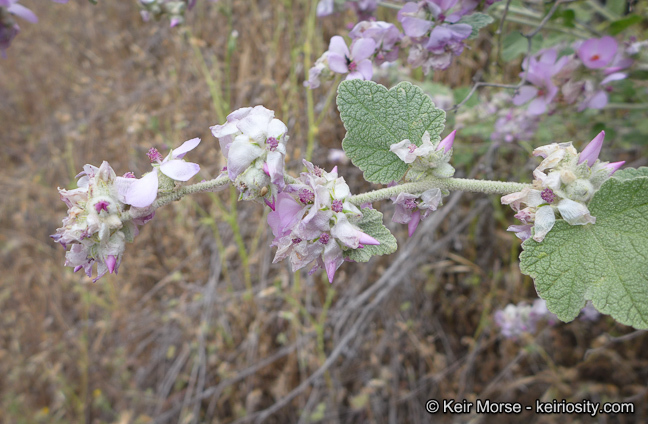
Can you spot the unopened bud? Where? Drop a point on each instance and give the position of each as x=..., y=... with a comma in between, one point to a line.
x=580, y=190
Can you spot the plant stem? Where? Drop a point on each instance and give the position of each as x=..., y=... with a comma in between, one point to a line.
x=327, y=102
x=308, y=50
x=166, y=198
x=461, y=184
x=238, y=238
x=390, y=5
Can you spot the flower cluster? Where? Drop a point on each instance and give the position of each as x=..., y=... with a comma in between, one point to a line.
x=313, y=221
x=94, y=229
x=411, y=209
x=143, y=192
x=584, y=77
x=428, y=158
x=8, y=26
x=564, y=183
x=430, y=29
x=254, y=142
x=515, y=320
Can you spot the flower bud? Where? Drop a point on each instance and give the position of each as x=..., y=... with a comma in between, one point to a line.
x=252, y=183
x=580, y=190
x=567, y=176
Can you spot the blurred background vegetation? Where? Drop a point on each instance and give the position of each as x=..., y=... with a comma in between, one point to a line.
x=199, y=325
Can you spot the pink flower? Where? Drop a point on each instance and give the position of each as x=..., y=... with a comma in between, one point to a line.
x=94, y=230
x=591, y=152
x=597, y=53
x=413, y=18
x=385, y=35
x=410, y=211
x=539, y=71
x=614, y=166
x=314, y=222
x=142, y=192
x=356, y=62
x=254, y=142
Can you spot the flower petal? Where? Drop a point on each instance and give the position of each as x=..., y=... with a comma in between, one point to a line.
x=338, y=45
x=414, y=222
x=23, y=12
x=591, y=152
x=598, y=101
x=179, y=170
x=276, y=129
x=241, y=154
x=338, y=63
x=365, y=68
x=575, y=213
x=184, y=148
x=142, y=192
x=525, y=94
x=362, y=49
x=544, y=222
x=275, y=165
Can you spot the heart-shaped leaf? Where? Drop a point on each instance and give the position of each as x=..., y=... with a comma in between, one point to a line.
x=605, y=262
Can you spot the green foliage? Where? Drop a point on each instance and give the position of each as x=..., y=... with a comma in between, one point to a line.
x=606, y=262
x=371, y=224
x=568, y=17
x=461, y=93
x=375, y=118
x=477, y=21
x=621, y=25
x=617, y=7
x=515, y=44
x=630, y=173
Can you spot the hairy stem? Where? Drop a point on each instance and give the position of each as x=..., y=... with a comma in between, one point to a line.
x=460, y=184
x=166, y=198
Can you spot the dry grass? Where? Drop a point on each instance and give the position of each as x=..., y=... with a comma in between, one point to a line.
x=176, y=337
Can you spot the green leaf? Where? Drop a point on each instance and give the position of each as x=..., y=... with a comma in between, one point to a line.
x=606, y=262
x=568, y=17
x=477, y=21
x=619, y=26
x=461, y=93
x=371, y=224
x=617, y=7
x=630, y=173
x=515, y=44
x=375, y=118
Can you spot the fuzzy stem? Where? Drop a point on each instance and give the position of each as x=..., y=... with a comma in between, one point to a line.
x=167, y=198
x=461, y=184
x=482, y=186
